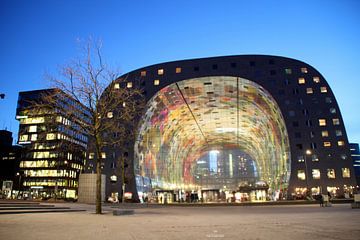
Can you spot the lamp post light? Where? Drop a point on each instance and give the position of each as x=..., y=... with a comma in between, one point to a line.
x=307, y=153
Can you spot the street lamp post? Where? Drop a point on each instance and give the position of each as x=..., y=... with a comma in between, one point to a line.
x=19, y=185
x=307, y=153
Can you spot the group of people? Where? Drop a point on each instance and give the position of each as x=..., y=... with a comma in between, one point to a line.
x=322, y=198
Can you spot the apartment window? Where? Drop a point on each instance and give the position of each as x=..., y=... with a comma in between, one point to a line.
x=313, y=145
x=297, y=135
x=341, y=143
x=316, y=173
x=291, y=113
x=160, y=71
x=345, y=172
x=322, y=122
x=33, y=137
x=328, y=100
x=116, y=86
x=113, y=165
x=272, y=72
x=103, y=155
x=156, y=82
x=91, y=155
x=331, y=173
x=312, y=134
x=32, y=128
x=324, y=133
x=196, y=69
x=305, y=112
x=113, y=178
x=309, y=90
x=143, y=73
x=215, y=66
x=323, y=90
x=50, y=136
x=304, y=70
x=23, y=138
x=327, y=144
x=295, y=124
x=301, y=80
x=233, y=65
x=338, y=133
x=316, y=79
x=336, y=121
x=314, y=158
x=343, y=156
x=308, y=123
x=129, y=85
x=301, y=175
x=110, y=115
x=288, y=71
x=332, y=110
x=178, y=70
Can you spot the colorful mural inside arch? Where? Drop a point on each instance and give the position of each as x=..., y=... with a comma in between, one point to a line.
x=210, y=132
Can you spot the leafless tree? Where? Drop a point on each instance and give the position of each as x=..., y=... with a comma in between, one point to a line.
x=112, y=102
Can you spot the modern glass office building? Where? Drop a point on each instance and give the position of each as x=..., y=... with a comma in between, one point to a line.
x=234, y=128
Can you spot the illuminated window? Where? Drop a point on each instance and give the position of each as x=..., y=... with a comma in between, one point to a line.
x=324, y=133
x=50, y=136
x=322, y=122
x=331, y=173
x=91, y=155
x=301, y=175
x=110, y=115
x=33, y=137
x=160, y=71
x=316, y=173
x=116, y=86
x=323, y=90
x=336, y=121
x=288, y=71
x=341, y=143
x=328, y=100
x=338, y=133
x=178, y=70
x=304, y=70
x=327, y=144
x=316, y=79
x=314, y=158
x=301, y=158
x=301, y=80
x=332, y=110
x=32, y=128
x=23, y=138
x=309, y=90
x=156, y=82
x=143, y=73
x=129, y=85
x=113, y=178
x=345, y=172
x=103, y=155
x=343, y=156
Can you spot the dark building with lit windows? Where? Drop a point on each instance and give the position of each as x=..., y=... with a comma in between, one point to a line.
x=233, y=128
x=355, y=154
x=54, y=144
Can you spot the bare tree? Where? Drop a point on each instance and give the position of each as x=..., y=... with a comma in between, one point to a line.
x=112, y=102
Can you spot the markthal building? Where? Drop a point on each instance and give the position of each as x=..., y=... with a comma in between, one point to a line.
x=234, y=129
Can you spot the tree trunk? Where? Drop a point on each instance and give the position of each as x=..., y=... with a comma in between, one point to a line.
x=98, y=178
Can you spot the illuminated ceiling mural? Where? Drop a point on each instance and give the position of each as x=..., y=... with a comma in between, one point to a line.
x=189, y=119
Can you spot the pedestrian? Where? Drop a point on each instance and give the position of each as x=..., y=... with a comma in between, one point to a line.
x=321, y=200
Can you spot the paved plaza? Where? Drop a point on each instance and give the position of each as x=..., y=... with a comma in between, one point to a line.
x=175, y=222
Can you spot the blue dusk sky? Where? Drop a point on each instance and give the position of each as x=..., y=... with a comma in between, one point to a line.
x=39, y=36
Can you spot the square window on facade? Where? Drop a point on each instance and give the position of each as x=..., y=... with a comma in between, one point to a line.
x=336, y=121
x=103, y=155
x=309, y=90
x=301, y=80
x=323, y=90
x=178, y=70
x=50, y=136
x=143, y=73
x=304, y=70
x=110, y=115
x=301, y=175
x=116, y=86
x=327, y=144
x=160, y=71
x=300, y=158
x=91, y=155
x=322, y=122
x=341, y=143
x=156, y=82
x=292, y=113
x=129, y=85
x=316, y=173
x=332, y=110
x=316, y=79
x=312, y=134
x=345, y=172
x=331, y=173
x=34, y=137
x=314, y=158
x=324, y=133
x=338, y=133
x=215, y=66
x=328, y=100
x=343, y=156
x=33, y=128
x=288, y=71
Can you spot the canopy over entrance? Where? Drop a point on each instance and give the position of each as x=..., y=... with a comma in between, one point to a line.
x=212, y=132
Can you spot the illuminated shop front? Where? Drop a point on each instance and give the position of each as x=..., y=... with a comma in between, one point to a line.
x=207, y=136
